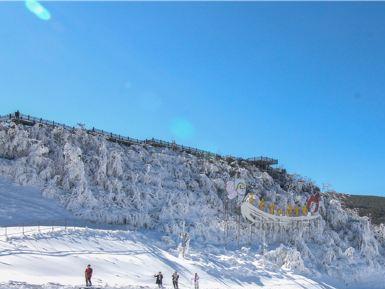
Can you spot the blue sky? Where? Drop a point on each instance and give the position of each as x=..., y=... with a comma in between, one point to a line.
x=302, y=82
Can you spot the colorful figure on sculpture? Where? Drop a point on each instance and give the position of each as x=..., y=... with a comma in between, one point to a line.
x=312, y=203
x=304, y=211
x=251, y=198
x=262, y=204
x=272, y=208
x=289, y=210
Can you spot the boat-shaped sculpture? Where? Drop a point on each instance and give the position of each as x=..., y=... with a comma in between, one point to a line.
x=257, y=214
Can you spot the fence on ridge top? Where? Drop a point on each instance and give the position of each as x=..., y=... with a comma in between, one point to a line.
x=31, y=120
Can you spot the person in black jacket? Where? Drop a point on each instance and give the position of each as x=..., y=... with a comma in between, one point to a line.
x=175, y=278
x=159, y=279
x=196, y=281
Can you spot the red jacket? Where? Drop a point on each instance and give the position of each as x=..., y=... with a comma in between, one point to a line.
x=88, y=272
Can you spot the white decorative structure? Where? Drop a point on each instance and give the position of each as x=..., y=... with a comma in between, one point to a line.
x=236, y=188
x=256, y=215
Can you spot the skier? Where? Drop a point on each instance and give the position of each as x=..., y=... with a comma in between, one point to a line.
x=88, y=275
x=196, y=281
x=159, y=279
x=175, y=278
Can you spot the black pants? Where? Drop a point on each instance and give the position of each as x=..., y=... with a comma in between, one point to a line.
x=88, y=282
x=175, y=283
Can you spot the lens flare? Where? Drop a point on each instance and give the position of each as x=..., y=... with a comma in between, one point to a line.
x=39, y=10
x=182, y=129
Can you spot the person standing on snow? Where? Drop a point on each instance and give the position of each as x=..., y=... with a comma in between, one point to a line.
x=175, y=278
x=196, y=281
x=88, y=275
x=159, y=279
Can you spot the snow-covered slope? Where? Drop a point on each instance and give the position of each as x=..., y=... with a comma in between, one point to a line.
x=24, y=205
x=55, y=257
x=131, y=259
x=168, y=191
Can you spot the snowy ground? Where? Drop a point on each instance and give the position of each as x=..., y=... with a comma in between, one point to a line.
x=122, y=259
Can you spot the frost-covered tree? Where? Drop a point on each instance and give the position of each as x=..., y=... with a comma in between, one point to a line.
x=159, y=188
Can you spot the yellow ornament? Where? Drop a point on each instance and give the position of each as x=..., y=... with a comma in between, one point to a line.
x=289, y=210
x=251, y=198
x=272, y=208
x=262, y=204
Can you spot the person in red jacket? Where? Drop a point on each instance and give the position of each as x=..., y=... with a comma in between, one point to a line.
x=88, y=275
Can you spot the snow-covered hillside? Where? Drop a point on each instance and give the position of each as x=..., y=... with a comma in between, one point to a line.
x=54, y=257
x=24, y=205
x=169, y=191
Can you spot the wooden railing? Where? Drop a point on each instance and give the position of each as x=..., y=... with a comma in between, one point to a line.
x=266, y=160
x=31, y=120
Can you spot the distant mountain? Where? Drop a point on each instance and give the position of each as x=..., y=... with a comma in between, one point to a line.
x=371, y=206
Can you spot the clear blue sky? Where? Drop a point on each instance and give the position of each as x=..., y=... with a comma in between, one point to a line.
x=301, y=82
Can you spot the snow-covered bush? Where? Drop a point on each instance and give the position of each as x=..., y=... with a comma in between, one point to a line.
x=286, y=258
